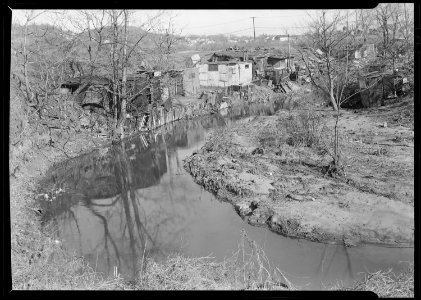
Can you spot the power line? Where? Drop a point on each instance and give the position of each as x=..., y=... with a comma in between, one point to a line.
x=219, y=23
x=284, y=27
x=236, y=31
x=283, y=16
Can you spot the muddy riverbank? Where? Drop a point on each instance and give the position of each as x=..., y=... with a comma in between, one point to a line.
x=272, y=182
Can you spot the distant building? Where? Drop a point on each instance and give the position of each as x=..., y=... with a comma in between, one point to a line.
x=280, y=38
x=367, y=51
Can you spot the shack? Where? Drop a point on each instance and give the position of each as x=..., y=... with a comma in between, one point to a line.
x=138, y=86
x=226, y=73
x=191, y=82
x=278, y=69
x=367, y=51
x=376, y=86
x=280, y=63
x=89, y=90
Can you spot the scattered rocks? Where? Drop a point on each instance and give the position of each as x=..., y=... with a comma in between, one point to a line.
x=257, y=151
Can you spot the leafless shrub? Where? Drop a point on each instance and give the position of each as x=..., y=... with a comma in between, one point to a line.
x=305, y=129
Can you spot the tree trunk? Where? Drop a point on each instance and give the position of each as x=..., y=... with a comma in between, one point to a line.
x=124, y=80
x=115, y=71
x=336, y=144
x=25, y=65
x=332, y=98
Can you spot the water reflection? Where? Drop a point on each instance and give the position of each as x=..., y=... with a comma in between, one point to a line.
x=135, y=198
x=118, y=204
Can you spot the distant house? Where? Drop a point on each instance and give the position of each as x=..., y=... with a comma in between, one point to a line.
x=367, y=51
x=225, y=73
x=280, y=38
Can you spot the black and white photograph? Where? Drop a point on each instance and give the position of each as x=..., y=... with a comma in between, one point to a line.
x=213, y=149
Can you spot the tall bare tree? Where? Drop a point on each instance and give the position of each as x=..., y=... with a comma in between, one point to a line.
x=327, y=61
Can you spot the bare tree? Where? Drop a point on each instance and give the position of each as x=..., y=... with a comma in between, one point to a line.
x=365, y=20
x=392, y=21
x=113, y=49
x=327, y=57
x=327, y=62
x=165, y=38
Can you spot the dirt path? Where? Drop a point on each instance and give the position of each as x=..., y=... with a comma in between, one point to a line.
x=273, y=184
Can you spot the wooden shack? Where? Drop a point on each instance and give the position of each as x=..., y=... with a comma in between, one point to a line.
x=89, y=90
x=377, y=86
x=224, y=74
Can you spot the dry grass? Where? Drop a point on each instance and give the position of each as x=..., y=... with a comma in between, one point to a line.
x=387, y=284
x=304, y=129
x=247, y=268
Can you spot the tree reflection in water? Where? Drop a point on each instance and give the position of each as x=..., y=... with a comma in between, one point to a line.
x=133, y=198
x=117, y=203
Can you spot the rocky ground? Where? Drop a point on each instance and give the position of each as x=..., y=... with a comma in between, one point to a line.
x=288, y=187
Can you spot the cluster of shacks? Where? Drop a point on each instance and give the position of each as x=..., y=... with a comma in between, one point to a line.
x=229, y=69
x=146, y=89
x=240, y=67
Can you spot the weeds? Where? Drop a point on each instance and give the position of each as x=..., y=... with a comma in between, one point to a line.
x=305, y=129
x=387, y=284
x=247, y=268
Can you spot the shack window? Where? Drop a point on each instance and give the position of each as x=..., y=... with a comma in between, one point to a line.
x=247, y=66
x=213, y=68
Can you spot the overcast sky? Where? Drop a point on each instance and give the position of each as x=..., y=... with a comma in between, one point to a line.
x=235, y=22
x=239, y=22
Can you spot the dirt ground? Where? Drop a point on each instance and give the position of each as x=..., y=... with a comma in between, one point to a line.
x=287, y=188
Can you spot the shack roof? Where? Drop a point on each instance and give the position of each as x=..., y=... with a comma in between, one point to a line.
x=229, y=62
x=279, y=57
x=377, y=74
x=232, y=53
x=228, y=55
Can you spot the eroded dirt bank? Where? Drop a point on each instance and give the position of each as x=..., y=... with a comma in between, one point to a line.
x=286, y=187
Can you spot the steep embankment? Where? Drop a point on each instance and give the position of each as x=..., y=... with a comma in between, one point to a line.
x=275, y=182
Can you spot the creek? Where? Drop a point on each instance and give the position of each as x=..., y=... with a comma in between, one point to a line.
x=133, y=199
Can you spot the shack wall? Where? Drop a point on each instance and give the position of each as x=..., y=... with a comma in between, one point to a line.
x=191, y=81
x=226, y=75
x=245, y=73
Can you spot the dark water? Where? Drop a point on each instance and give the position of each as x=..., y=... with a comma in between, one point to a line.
x=136, y=198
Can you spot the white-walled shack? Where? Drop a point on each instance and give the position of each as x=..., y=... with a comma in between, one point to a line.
x=226, y=73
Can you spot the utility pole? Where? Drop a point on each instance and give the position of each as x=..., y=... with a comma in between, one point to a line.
x=289, y=54
x=254, y=29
